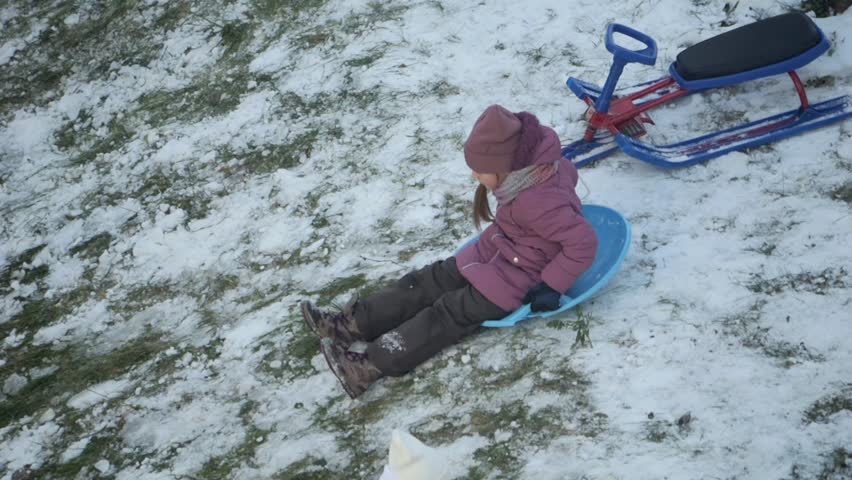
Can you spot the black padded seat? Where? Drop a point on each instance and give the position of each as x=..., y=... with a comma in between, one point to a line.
x=750, y=47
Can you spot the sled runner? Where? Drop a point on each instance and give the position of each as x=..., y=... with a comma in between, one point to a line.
x=613, y=232
x=772, y=46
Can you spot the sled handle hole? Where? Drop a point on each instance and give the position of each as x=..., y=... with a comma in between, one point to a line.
x=645, y=56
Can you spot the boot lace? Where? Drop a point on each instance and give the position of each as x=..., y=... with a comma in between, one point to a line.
x=355, y=356
x=338, y=321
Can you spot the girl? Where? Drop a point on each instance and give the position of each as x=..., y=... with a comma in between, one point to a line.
x=536, y=247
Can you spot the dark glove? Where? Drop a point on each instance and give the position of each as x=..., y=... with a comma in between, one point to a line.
x=542, y=298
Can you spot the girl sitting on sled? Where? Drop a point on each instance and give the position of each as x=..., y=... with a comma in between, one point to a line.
x=535, y=248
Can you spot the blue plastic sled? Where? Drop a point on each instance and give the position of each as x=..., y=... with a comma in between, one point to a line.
x=613, y=233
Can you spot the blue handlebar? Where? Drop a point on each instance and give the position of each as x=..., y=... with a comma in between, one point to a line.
x=621, y=57
x=646, y=56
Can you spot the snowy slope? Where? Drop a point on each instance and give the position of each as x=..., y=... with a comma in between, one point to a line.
x=176, y=176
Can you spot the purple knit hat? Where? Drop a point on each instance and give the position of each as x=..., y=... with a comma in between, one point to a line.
x=502, y=141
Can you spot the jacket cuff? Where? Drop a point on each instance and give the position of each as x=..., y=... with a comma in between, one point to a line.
x=557, y=278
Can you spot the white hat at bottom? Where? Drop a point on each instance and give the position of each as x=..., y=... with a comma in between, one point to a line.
x=410, y=459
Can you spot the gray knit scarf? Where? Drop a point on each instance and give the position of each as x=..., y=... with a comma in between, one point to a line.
x=522, y=179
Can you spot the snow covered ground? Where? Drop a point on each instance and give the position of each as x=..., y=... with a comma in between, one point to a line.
x=176, y=176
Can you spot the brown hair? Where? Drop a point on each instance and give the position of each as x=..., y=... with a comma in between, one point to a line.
x=481, y=209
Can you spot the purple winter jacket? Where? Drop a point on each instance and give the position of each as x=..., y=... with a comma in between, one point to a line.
x=541, y=235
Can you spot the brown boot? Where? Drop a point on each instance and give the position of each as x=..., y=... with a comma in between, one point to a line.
x=354, y=370
x=339, y=326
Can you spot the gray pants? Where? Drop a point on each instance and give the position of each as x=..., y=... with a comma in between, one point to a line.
x=419, y=315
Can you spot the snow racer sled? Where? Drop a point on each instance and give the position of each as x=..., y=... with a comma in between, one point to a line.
x=772, y=46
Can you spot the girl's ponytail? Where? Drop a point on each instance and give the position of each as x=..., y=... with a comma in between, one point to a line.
x=481, y=209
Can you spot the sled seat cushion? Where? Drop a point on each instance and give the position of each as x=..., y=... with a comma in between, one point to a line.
x=767, y=47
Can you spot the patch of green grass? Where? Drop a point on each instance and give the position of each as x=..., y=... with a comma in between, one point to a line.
x=360, y=99
x=839, y=465
x=219, y=283
x=442, y=89
x=825, y=8
x=301, y=348
x=534, y=55
x=197, y=206
x=455, y=217
x=111, y=34
x=273, y=9
x=260, y=299
x=175, y=12
x=366, y=60
x=350, y=425
x=70, y=135
x=511, y=426
x=508, y=375
x=119, y=135
x=563, y=379
x=320, y=221
x=41, y=67
x=266, y=159
x=40, y=311
x=789, y=354
x=347, y=99
x=35, y=274
x=813, y=282
x=235, y=35
x=746, y=326
x=657, y=431
x=139, y=297
x=164, y=365
x=765, y=248
x=824, y=409
x=156, y=183
x=583, y=328
x=406, y=254
x=502, y=457
x=384, y=227
x=821, y=81
x=350, y=430
x=149, y=294
x=215, y=93
x=836, y=466
x=377, y=12
x=311, y=203
x=843, y=193
x=282, y=262
x=437, y=5
x=331, y=33
x=174, y=189
x=78, y=368
x=74, y=36
x=374, y=286
x=93, y=247
x=17, y=264
x=313, y=39
x=221, y=467
x=308, y=468
x=449, y=430
x=340, y=286
x=527, y=429
x=23, y=262
x=28, y=84
x=559, y=323
x=106, y=444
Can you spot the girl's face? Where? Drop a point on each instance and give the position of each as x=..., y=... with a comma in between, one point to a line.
x=488, y=180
